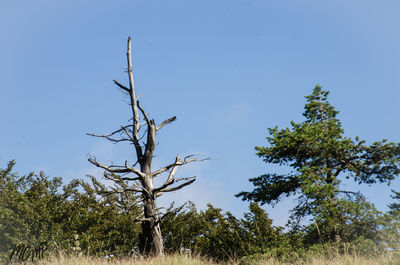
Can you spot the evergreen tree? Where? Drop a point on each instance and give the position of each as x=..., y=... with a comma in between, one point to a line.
x=320, y=156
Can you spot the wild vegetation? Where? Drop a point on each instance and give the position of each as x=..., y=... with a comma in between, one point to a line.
x=82, y=219
x=86, y=222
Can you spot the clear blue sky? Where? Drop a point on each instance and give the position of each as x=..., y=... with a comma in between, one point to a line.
x=228, y=69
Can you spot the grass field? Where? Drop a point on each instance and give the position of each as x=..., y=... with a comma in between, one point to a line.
x=184, y=260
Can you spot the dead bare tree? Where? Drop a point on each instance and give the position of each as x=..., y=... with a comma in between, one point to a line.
x=141, y=179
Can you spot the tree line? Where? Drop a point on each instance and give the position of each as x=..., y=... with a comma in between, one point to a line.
x=77, y=218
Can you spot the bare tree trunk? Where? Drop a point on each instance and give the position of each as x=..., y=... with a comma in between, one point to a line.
x=151, y=238
x=151, y=242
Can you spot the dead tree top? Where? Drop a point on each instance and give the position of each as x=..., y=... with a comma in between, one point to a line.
x=144, y=147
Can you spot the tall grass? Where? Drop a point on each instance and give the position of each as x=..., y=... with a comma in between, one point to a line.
x=85, y=260
x=185, y=260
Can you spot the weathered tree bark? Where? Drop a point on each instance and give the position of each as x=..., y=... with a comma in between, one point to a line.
x=151, y=242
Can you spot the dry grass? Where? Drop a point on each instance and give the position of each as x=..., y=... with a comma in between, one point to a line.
x=183, y=260
x=83, y=260
x=341, y=260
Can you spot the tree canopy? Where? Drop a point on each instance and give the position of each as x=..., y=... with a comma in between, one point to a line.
x=319, y=156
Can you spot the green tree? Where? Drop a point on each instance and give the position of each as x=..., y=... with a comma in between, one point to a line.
x=219, y=235
x=319, y=157
x=101, y=223
x=35, y=209
x=391, y=227
x=210, y=233
x=30, y=209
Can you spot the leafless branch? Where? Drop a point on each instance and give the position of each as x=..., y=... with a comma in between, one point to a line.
x=118, y=178
x=135, y=112
x=117, y=191
x=108, y=136
x=165, y=122
x=110, y=139
x=125, y=190
x=192, y=179
x=122, y=86
x=142, y=220
x=178, y=162
x=135, y=188
x=146, y=118
x=171, y=181
x=171, y=210
x=173, y=171
x=128, y=134
x=117, y=169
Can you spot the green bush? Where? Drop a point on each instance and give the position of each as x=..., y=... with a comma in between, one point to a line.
x=35, y=208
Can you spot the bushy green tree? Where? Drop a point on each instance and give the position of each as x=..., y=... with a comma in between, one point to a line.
x=219, y=235
x=260, y=234
x=30, y=208
x=74, y=217
x=391, y=225
x=319, y=157
x=102, y=223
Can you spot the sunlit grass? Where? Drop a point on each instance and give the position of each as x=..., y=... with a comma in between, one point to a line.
x=185, y=260
x=84, y=260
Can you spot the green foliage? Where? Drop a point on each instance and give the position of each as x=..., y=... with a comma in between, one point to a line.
x=30, y=208
x=361, y=219
x=81, y=218
x=390, y=231
x=320, y=156
x=220, y=236
x=104, y=224
x=395, y=206
x=289, y=254
x=35, y=208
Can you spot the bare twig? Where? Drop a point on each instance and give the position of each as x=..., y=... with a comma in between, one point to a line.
x=111, y=134
x=128, y=134
x=122, y=86
x=109, y=138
